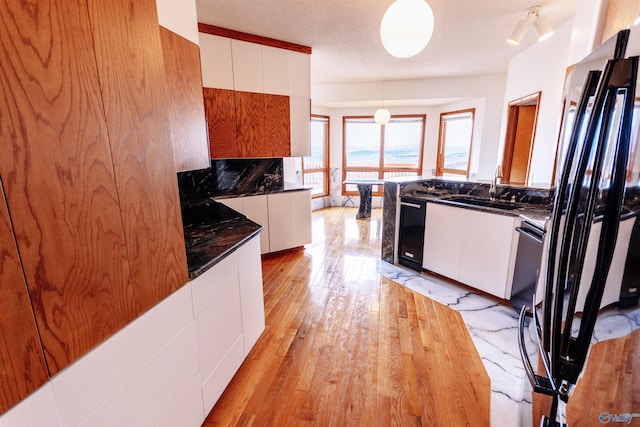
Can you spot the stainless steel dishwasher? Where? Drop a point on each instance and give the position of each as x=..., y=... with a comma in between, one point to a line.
x=527, y=264
x=413, y=212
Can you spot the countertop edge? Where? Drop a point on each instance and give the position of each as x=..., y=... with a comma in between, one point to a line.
x=228, y=251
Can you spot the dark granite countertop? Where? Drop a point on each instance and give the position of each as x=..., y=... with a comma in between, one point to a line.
x=211, y=232
x=285, y=188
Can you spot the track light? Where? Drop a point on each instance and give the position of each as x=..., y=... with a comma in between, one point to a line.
x=541, y=25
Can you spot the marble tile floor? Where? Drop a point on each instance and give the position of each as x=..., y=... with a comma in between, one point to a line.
x=493, y=327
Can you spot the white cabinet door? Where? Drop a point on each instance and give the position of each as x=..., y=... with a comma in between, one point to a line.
x=247, y=66
x=179, y=16
x=215, y=59
x=300, y=126
x=251, y=293
x=486, y=251
x=289, y=219
x=275, y=70
x=255, y=208
x=300, y=75
x=228, y=306
x=443, y=239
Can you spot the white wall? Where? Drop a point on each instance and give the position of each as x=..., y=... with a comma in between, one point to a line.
x=541, y=68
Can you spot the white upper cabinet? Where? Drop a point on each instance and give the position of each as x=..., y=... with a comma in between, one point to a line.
x=300, y=126
x=300, y=72
x=247, y=66
x=275, y=70
x=215, y=56
x=180, y=17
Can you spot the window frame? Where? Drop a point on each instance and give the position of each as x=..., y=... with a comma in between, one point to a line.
x=325, y=169
x=440, y=169
x=381, y=169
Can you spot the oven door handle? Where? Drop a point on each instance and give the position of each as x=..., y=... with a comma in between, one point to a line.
x=411, y=205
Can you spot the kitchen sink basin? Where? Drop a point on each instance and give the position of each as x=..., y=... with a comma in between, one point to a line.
x=496, y=204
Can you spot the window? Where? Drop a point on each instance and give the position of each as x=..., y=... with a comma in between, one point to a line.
x=315, y=168
x=454, y=142
x=379, y=152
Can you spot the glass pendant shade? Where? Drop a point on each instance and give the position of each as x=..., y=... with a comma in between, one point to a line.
x=382, y=116
x=406, y=27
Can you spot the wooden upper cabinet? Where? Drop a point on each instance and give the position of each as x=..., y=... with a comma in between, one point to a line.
x=250, y=116
x=22, y=365
x=271, y=94
x=247, y=124
x=186, y=107
x=132, y=77
x=220, y=110
x=58, y=176
x=277, y=140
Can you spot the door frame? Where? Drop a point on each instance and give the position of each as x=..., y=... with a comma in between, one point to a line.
x=510, y=137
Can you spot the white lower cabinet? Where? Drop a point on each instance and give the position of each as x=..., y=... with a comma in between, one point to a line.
x=228, y=306
x=442, y=240
x=289, y=220
x=472, y=247
x=285, y=217
x=254, y=208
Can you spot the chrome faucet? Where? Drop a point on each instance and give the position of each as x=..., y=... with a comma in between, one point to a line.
x=493, y=189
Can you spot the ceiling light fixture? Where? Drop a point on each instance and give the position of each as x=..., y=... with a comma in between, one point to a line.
x=382, y=115
x=406, y=27
x=541, y=25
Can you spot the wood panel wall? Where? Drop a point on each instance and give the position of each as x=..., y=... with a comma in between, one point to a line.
x=58, y=176
x=186, y=108
x=132, y=78
x=22, y=365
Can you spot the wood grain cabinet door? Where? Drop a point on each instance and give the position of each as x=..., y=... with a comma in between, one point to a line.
x=87, y=166
x=186, y=107
x=220, y=109
x=22, y=366
x=277, y=138
x=58, y=177
x=132, y=78
x=250, y=116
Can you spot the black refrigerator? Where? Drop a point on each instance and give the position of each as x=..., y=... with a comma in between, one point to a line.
x=592, y=253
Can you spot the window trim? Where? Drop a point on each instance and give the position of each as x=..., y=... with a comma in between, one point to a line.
x=381, y=168
x=325, y=169
x=440, y=169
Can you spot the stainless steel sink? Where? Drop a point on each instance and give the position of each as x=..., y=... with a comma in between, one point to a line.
x=496, y=204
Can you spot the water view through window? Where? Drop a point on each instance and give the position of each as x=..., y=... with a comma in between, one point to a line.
x=378, y=152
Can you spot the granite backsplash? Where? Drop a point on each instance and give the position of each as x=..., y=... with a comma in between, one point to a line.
x=231, y=177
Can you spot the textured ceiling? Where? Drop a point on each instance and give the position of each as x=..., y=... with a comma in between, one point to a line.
x=468, y=39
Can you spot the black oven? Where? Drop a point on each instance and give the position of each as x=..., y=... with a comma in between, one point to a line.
x=411, y=236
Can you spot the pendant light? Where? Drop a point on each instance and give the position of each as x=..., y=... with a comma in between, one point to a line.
x=406, y=27
x=382, y=115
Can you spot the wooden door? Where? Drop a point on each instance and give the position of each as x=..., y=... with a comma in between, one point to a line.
x=22, y=366
x=523, y=144
x=58, y=177
x=220, y=109
x=186, y=106
x=131, y=72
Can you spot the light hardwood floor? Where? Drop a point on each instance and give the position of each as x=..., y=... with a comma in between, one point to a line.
x=345, y=346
